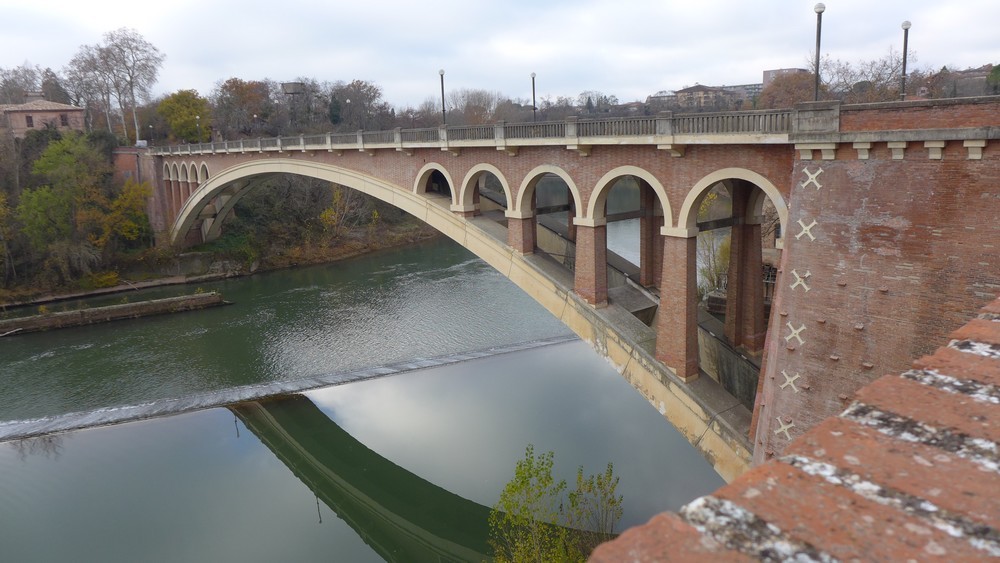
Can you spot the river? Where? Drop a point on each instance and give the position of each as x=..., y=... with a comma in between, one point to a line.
x=425, y=364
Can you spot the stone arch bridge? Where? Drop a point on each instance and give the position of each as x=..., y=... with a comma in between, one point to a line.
x=887, y=230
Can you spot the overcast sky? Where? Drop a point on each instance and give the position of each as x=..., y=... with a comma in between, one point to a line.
x=629, y=48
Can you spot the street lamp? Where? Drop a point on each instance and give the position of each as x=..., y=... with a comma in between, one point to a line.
x=534, y=106
x=906, y=36
x=444, y=116
x=819, y=8
x=150, y=134
x=253, y=127
x=197, y=120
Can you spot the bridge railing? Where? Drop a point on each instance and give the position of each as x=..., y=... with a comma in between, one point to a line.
x=762, y=122
x=644, y=129
x=628, y=127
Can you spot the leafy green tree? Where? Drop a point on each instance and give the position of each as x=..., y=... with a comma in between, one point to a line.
x=182, y=110
x=46, y=217
x=535, y=520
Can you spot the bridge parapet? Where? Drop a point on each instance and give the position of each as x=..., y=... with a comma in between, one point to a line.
x=771, y=126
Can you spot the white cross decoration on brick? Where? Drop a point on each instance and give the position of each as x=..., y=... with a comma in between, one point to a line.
x=790, y=381
x=795, y=333
x=782, y=427
x=806, y=230
x=800, y=280
x=812, y=178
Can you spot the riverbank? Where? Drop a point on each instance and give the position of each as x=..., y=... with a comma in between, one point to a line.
x=219, y=266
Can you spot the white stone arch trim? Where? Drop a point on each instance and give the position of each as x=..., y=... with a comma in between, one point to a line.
x=596, y=208
x=203, y=172
x=169, y=171
x=420, y=184
x=193, y=172
x=465, y=202
x=183, y=173
x=522, y=209
x=688, y=218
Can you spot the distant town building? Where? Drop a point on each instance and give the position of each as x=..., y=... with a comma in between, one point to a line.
x=39, y=113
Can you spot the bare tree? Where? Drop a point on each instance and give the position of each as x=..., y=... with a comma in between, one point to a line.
x=475, y=106
x=16, y=82
x=136, y=64
x=91, y=81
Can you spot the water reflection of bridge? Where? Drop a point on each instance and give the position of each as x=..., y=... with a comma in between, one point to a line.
x=398, y=514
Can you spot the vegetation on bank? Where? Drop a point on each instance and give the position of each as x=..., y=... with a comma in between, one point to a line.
x=66, y=224
x=537, y=519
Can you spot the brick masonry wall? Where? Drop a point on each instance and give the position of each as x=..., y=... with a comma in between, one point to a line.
x=882, y=258
x=930, y=114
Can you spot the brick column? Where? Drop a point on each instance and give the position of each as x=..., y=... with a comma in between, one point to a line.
x=591, y=270
x=647, y=236
x=521, y=234
x=677, y=318
x=570, y=225
x=745, y=323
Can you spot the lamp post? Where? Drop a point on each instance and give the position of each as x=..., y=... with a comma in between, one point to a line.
x=444, y=116
x=197, y=120
x=150, y=134
x=253, y=126
x=534, y=106
x=906, y=36
x=819, y=8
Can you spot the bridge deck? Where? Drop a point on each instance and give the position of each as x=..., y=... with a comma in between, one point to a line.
x=910, y=471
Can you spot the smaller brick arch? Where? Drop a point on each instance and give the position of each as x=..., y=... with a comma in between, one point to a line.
x=465, y=202
x=596, y=207
x=203, y=173
x=169, y=171
x=688, y=218
x=522, y=209
x=420, y=184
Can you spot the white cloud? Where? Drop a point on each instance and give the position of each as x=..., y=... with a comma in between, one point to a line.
x=628, y=48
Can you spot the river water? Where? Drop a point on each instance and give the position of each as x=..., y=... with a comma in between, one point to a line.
x=424, y=373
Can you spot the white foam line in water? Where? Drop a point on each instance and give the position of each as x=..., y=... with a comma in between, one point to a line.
x=19, y=429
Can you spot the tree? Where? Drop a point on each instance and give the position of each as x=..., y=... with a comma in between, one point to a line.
x=474, y=106
x=786, y=90
x=534, y=520
x=362, y=106
x=92, y=83
x=17, y=82
x=595, y=101
x=241, y=106
x=136, y=64
x=183, y=112
x=993, y=80
x=53, y=89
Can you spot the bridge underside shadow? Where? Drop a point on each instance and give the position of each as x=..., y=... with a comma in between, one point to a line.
x=712, y=420
x=399, y=515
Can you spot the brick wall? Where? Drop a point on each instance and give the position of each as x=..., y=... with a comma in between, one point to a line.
x=897, y=252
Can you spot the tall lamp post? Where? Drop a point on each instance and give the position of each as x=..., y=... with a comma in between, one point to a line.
x=819, y=8
x=906, y=36
x=534, y=106
x=444, y=116
x=197, y=120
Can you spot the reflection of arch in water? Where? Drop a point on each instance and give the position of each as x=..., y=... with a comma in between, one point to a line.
x=401, y=516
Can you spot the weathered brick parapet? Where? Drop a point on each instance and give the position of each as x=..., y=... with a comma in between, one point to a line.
x=910, y=471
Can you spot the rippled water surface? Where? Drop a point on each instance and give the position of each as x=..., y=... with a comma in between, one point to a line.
x=364, y=471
